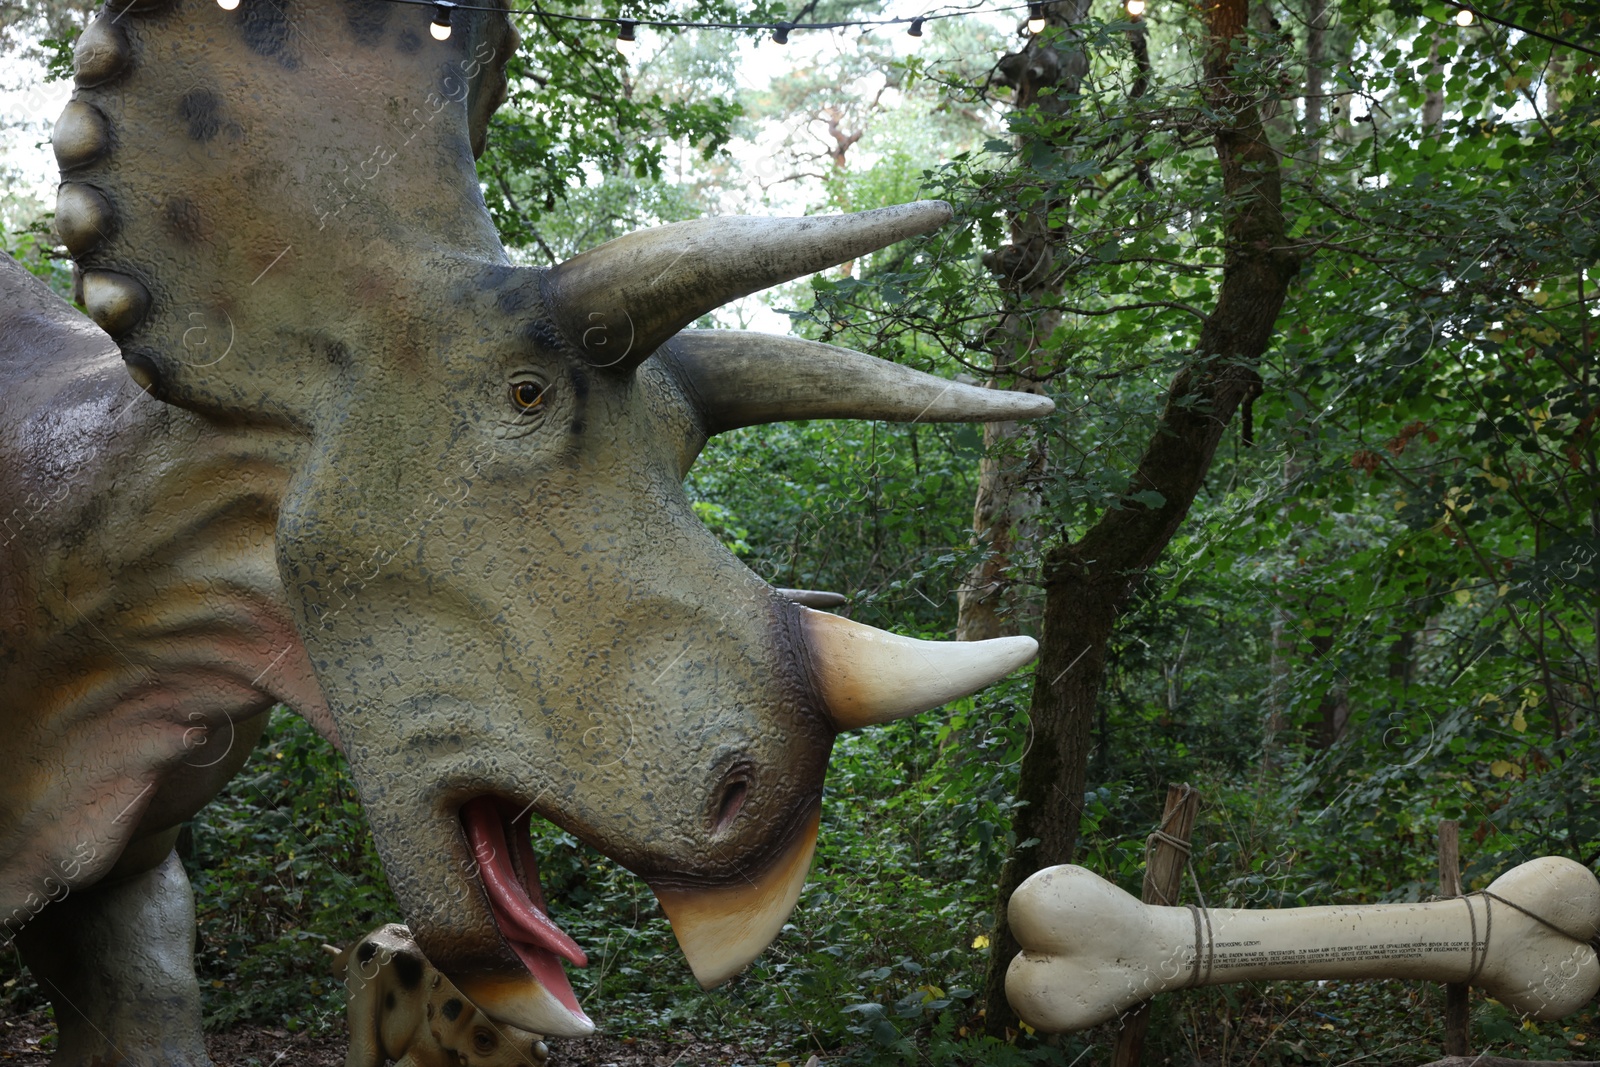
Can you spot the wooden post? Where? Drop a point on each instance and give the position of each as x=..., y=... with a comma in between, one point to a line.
x=1456, y=1026
x=1164, y=864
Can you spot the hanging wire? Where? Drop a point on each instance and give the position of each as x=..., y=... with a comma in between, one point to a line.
x=1508, y=24
x=681, y=24
x=781, y=30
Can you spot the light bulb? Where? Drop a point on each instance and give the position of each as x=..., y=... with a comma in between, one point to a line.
x=625, y=37
x=227, y=5
x=441, y=22
x=1135, y=8
x=1035, y=18
x=1463, y=17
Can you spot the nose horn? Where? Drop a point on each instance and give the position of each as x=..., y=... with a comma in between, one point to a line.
x=869, y=676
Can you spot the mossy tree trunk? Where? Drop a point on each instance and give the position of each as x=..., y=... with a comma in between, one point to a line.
x=1045, y=75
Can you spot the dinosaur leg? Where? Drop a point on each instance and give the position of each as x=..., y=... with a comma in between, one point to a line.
x=117, y=962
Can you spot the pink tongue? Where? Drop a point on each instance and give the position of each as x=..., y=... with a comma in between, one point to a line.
x=521, y=920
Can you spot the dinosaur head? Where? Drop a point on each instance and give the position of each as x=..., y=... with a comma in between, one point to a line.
x=510, y=605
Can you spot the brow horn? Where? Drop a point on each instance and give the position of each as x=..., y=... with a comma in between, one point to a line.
x=618, y=303
x=741, y=378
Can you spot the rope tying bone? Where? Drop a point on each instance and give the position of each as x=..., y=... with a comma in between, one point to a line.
x=1178, y=797
x=1592, y=942
x=1162, y=836
x=1489, y=899
x=1472, y=945
x=1196, y=978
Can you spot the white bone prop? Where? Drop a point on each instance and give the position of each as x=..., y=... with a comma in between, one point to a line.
x=1091, y=951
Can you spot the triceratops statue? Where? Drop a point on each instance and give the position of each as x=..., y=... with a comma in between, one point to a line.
x=430, y=499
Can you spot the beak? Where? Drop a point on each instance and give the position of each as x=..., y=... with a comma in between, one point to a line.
x=721, y=929
x=522, y=1002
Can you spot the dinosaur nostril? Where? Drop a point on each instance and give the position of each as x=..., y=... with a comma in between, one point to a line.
x=733, y=796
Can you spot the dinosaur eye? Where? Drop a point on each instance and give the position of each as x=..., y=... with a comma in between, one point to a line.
x=483, y=1041
x=527, y=395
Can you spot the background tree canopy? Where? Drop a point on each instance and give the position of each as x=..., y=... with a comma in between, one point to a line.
x=1314, y=527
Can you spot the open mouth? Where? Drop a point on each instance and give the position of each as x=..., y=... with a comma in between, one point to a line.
x=498, y=836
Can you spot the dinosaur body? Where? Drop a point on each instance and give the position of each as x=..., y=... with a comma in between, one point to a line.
x=146, y=628
x=468, y=475
x=145, y=631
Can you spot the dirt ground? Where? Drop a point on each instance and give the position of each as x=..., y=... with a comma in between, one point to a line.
x=25, y=1042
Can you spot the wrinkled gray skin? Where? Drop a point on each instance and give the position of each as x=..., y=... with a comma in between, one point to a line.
x=470, y=477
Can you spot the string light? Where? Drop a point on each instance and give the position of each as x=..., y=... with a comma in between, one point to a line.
x=916, y=28
x=441, y=21
x=1465, y=16
x=1035, y=10
x=780, y=33
x=1135, y=8
x=625, y=38
x=227, y=5
x=685, y=24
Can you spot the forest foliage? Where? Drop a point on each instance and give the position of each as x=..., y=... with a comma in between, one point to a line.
x=1383, y=609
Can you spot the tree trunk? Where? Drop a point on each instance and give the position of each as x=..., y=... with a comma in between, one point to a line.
x=1045, y=74
x=1280, y=673
x=1433, y=103
x=1316, y=75
x=1333, y=710
x=1087, y=582
x=1555, y=77
x=1003, y=517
